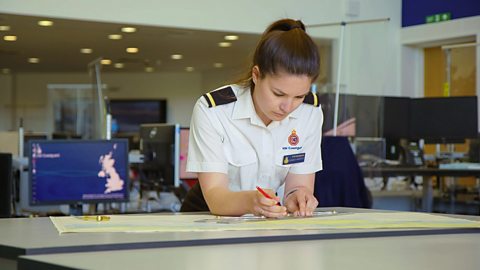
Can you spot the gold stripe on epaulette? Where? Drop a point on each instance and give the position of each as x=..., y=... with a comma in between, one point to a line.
x=315, y=100
x=211, y=99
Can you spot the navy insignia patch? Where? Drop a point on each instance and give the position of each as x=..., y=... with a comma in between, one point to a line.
x=292, y=159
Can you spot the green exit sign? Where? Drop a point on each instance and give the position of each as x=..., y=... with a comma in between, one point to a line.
x=440, y=17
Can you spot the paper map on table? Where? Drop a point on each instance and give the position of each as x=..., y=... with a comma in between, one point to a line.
x=190, y=223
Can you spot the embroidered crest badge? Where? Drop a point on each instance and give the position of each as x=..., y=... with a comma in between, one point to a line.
x=293, y=138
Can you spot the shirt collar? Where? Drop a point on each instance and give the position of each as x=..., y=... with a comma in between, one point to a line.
x=244, y=106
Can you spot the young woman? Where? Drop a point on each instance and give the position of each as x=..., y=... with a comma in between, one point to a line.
x=264, y=131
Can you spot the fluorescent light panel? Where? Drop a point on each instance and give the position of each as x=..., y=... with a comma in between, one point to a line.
x=10, y=38
x=115, y=36
x=231, y=37
x=129, y=29
x=45, y=23
x=176, y=56
x=132, y=50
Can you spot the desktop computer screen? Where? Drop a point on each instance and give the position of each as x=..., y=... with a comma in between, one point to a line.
x=78, y=171
x=159, y=144
x=444, y=120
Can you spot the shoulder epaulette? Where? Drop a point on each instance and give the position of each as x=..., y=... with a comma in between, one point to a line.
x=220, y=97
x=312, y=99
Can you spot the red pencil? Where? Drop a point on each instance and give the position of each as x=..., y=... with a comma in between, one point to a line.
x=265, y=194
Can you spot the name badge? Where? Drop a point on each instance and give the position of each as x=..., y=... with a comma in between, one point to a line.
x=292, y=159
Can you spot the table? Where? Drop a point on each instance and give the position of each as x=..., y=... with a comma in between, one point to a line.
x=427, y=191
x=35, y=236
x=459, y=251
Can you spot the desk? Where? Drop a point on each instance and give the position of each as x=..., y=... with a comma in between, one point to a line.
x=35, y=236
x=459, y=251
x=427, y=192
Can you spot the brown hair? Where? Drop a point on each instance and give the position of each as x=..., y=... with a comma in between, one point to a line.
x=285, y=46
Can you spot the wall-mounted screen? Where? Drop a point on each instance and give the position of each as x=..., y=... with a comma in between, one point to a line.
x=129, y=114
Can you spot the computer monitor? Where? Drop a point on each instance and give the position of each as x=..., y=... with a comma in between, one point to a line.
x=370, y=149
x=129, y=114
x=31, y=136
x=396, y=115
x=159, y=144
x=184, y=137
x=78, y=171
x=444, y=120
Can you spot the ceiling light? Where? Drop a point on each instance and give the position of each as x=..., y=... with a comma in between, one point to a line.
x=115, y=36
x=176, y=56
x=106, y=62
x=118, y=65
x=4, y=28
x=189, y=69
x=149, y=69
x=5, y=70
x=45, y=23
x=33, y=60
x=132, y=50
x=218, y=65
x=86, y=50
x=231, y=37
x=224, y=44
x=10, y=38
x=129, y=29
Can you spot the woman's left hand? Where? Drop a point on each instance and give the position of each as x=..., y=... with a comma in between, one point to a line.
x=301, y=202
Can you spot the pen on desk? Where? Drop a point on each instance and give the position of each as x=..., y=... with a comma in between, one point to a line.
x=265, y=194
x=96, y=218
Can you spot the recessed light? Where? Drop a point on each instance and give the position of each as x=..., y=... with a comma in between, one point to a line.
x=115, y=36
x=33, y=60
x=106, y=62
x=217, y=65
x=45, y=23
x=189, y=69
x=86, y=50
x=10, y=38
x=4, y=28
x=132, y=50
x=176, y=56
x=118, y=65
x=129, y=29
x=224, y=44
x=231, y=37
x=149, y=69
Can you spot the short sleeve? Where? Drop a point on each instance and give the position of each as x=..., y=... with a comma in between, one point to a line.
x=205, y=152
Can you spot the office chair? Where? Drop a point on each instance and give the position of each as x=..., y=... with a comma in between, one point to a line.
x=5, y=185
x=340, y=183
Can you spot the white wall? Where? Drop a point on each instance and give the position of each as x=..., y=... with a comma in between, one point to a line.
x=5, y=101
x=180, y=89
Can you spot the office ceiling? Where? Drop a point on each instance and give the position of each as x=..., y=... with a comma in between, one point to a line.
x=58, y=47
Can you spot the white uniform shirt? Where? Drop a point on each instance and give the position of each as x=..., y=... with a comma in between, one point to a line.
x=232, y=139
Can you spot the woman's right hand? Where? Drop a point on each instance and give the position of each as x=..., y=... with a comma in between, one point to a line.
x=263, y=206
